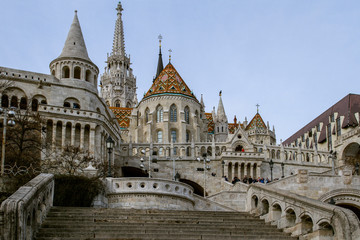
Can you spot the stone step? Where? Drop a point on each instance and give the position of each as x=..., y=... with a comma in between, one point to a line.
x=127, y=224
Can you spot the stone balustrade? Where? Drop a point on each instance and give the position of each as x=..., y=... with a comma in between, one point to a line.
x=149, y=193
x=302, y=216
x=24, y=211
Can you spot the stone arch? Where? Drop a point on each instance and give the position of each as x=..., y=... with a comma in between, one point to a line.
x=72, y=102
x=198, y=189
x=273, y=154
x=117, y=103
x=278, y=154
x=264, y=206
x=307, y=223
x=5, y=101
x=230, y=171
x=14, y=101
x=254, y=202
x=351, y=154
x=209, y=151
x=23, y=103
x=326, y=228
x=276, y=211
x=290, y=217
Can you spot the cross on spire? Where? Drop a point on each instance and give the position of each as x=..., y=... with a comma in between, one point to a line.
x=160, y=38
x=170, y=51
x=257, y=107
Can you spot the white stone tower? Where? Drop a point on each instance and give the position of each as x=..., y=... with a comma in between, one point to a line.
x=221, y=122
x=118, y=84
x=74, y=66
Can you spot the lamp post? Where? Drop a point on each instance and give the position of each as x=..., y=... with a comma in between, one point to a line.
x=282, y=170
x=271, y=168
x=206, y=167
x=223, y=167
x=143, y=152
x=174, y=174
x=7, y=113
x=109, y=146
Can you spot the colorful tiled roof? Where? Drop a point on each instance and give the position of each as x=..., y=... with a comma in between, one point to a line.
x=211, y=124
x=169, y=81
x=232, y=127
x=122, y=116
x=256, y=123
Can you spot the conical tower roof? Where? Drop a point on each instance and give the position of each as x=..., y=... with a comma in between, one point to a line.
x=169, y=82
x=221, y=116
x=119, y=42
x=75, y=45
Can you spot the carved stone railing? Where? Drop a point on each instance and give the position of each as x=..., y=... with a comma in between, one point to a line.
x=145, y=193
x=302, y=216
x=24, y=211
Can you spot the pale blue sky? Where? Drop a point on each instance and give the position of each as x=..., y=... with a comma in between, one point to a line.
x=295, y=58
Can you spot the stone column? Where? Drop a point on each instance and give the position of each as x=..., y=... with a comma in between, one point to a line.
x=258, y=170
x=72, y=134
x=245, y=170
x=54, y=136
x=82, y=136
x=92, y=140
x=63, y=135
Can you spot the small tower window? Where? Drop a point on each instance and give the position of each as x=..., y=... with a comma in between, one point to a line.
x=87, y=75
x=187, y=114
x=77, y=72
x=159, y=114
x=65, y=72
x=23, y=103
x=147, y=112
x=173, y=113
x=4, y=101
x=34, y=105
x=14, y=102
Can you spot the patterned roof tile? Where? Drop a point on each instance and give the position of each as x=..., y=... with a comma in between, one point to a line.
x=122, y=116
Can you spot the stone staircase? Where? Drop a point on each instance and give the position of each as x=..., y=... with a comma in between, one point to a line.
x=124, y=224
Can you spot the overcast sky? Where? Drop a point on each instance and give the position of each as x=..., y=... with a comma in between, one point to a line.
x=294, y=58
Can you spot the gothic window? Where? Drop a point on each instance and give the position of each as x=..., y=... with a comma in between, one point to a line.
x=239, y=148
x=173, y=113
x=187, y=114
x=128, y=105
x=307, y=142
x=159, y=136
x=338, y=127
x=315, y=139
x=14, y=102
x=147, y=112
x=4, y=101
x=77, y=72
x=65, y=72
x=187, y=136
x=222, y=129
x=117, y=103
x=159, y=114
x=23, y=103
x=173, y=135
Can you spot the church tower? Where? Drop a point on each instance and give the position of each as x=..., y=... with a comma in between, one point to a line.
x=118, y=84
x=74, y=66
x=221, y=123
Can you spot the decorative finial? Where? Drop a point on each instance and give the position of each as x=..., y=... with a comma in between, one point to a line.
x=170, y=51
x=75, y=11
x=119, y=8
x=160, y=38
x=220, y=93
x=257, y=107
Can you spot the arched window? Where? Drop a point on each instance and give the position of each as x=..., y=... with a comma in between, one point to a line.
x=173, y=113
x=53, y=72
x=67, y=104
x=34, y=105
x=87, y=75
x=159, y=114
x=128, y=105
x=4, y=101
x=159, y=136
x=187, y=114
x=77, y=72
x=76, y=105
x=65, y=72
x=187, y=136
x=14, y=102
x=23, y=103
x=173, y=136
x=147, y=112
x=117, y=103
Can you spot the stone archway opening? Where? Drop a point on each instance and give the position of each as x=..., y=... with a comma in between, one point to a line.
x=351, y=156
x=306, y=224
x=198, y=190
x=276, y=212
x=133, y=172
x=290, y=218
x=354, y=208
x=264, y=207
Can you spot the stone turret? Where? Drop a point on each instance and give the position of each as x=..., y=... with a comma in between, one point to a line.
x=118, y=84
x=221, y=122
x=74, y=63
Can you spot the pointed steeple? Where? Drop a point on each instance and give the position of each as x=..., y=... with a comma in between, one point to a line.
x=160, y=65
x=202, y=102
x=221, y=111
x=75, y=45
x=119, y=43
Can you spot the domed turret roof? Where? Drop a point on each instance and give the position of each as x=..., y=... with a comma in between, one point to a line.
x=170, y=82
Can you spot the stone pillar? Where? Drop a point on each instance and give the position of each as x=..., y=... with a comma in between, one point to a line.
x=246, y=170
x=82, y=136
x=63, y=135
x=258, y=170
x=54, y=136
x=72, y=134
x=92, y=140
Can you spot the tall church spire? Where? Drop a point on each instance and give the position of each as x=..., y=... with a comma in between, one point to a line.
x=75, y=45
x=221, y=116
x=119, y=43
x=160, y=65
